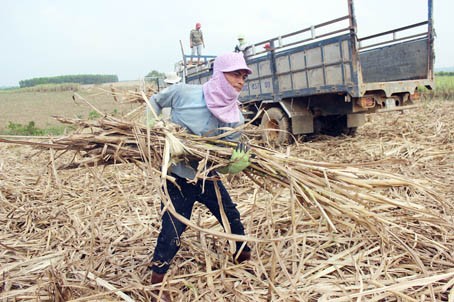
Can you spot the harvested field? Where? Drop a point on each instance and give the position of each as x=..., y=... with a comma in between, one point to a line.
x=39, y=107
x=88, y=234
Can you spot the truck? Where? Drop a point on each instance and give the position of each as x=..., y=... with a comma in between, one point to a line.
x=325, y=78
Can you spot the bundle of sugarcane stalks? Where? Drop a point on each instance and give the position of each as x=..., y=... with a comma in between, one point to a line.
x=319, y=230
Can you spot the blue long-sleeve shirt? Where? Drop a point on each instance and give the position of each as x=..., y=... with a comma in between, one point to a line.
x=189, y=110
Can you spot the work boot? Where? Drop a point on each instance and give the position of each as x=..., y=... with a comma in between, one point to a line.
x=165, y=295
x=243, y=256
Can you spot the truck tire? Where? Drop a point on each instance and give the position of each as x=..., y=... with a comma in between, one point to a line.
x=275, y=126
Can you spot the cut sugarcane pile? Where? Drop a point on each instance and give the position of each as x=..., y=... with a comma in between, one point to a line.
x=332, y=231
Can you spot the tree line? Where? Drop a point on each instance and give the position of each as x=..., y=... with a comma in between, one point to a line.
x=80, y=79
x=444, y=73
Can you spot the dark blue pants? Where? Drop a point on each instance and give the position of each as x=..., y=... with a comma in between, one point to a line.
x=168, y=242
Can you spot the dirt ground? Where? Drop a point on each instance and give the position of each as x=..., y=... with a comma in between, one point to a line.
x=40, y=107
x=88, y=234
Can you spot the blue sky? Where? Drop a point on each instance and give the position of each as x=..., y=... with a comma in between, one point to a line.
x=130, y=38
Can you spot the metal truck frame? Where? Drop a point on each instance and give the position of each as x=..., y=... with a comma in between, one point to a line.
x=324, y=80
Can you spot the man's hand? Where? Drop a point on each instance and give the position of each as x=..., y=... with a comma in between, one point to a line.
x=239, y=160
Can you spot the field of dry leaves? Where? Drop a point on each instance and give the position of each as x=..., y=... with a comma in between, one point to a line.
x=88, y=234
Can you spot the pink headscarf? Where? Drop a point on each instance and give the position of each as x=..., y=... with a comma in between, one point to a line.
x=221, y=98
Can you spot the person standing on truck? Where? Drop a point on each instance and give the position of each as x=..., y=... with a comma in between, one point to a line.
x=242, y=46
x=203, y=110
x=196, y=42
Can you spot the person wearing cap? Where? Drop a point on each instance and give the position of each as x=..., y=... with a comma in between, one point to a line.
x=204, y=110
x=172, y=78
x=196, y=42
x=267, y=47
x=242, y=46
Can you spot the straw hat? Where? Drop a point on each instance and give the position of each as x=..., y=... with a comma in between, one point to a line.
x=172, y=78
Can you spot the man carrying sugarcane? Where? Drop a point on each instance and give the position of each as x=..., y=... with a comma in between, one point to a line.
x=203, y=110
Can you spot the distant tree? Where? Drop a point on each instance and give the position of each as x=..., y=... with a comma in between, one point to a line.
x=80, y=79
x=155, y=74
x=444, y=73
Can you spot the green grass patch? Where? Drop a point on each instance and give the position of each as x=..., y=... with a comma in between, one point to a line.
x=93, y=115
x=30, y=129
x=444, y=88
